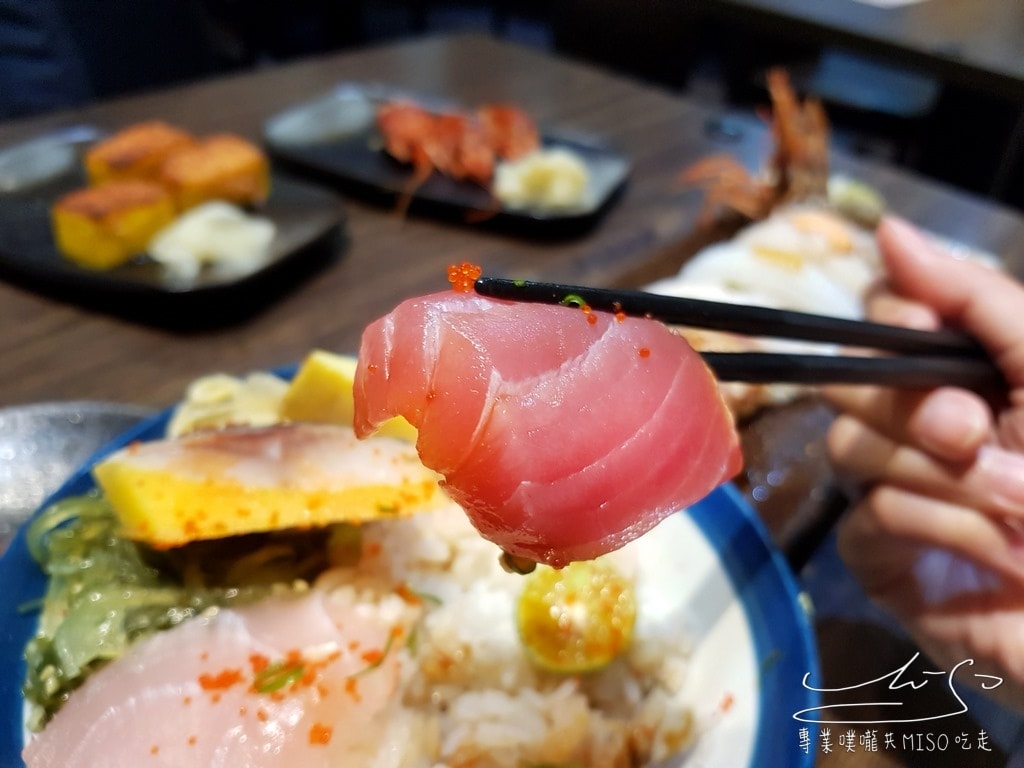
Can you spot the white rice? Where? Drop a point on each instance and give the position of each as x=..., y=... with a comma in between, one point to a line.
x=469, y=696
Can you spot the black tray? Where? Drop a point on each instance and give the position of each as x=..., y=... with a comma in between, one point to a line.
x=334, y=138
x=34, y=175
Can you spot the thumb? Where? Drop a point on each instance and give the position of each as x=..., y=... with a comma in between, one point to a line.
x=981, y=300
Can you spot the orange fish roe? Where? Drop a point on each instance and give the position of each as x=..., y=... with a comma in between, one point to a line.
x=644, y=352
x=352, y=689
x=407, y=595
x=320, y=734
x=727, y=701
x=222, y=680
x=258, y=662
x=462, y=276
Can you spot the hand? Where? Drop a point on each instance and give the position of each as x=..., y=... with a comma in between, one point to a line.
x=938, y=538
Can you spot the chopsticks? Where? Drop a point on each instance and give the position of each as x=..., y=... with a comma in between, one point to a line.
x=925, y=358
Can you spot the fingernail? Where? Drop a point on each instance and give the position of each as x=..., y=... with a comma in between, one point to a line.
x=1004, y=471
x=904, y=230
x=949, y=423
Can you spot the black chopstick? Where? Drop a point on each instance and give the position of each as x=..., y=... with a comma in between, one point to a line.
x=906, y=371
x=737, y=318
x=928, y=358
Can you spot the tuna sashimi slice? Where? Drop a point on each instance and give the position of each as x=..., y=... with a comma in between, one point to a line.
x=563, y=433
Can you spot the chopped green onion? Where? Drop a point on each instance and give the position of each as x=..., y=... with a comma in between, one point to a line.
x=278, y=675
x=573, y=300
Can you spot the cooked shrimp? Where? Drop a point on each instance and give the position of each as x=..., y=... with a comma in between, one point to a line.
x=510, y=132
x=797, y=169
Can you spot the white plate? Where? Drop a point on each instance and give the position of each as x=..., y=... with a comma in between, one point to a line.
x=752, y=642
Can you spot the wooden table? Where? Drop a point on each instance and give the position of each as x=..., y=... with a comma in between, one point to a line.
x=55, y=351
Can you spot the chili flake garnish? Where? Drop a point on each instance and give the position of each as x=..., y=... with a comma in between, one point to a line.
x=463, y=276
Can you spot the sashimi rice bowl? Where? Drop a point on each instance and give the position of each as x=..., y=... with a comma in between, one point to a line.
x=392, y=636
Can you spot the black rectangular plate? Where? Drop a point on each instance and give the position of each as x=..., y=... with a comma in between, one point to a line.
x=309, y=220
x=335, y=139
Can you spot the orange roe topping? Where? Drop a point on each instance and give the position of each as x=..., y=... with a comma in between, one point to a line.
x=258, y=662
x=620, y=316
x=592, y=319
x=191, y=741
x=320, y=734
x=645, y=352
x=727, y=702
x=373, y=656
x=462, y=276
x=407, y=595
x=154, y=749
x=352, y=689
x=261, y=715
x=221, y=681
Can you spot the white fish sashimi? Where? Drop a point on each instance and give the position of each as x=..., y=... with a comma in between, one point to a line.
x=789, y=283
x=194, y=695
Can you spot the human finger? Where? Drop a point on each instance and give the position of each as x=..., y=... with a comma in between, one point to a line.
x=948, y=423
x=884, y=306
x=993, y=484
x=1010, y=425
x=980, y=299
x=903, y=517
